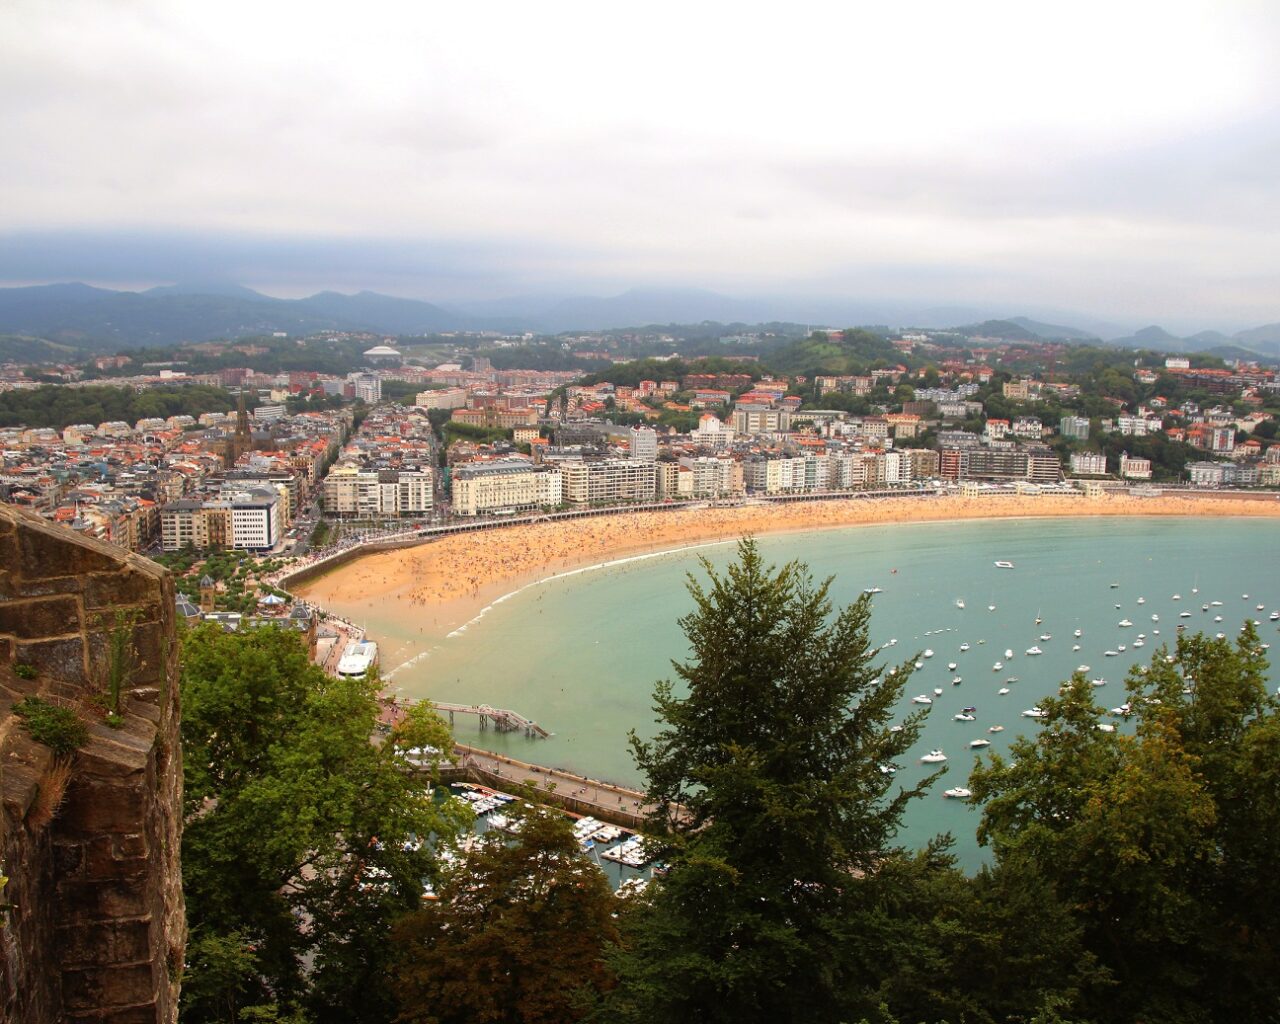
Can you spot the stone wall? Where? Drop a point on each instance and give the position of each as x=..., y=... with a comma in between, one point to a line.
x=95, y=929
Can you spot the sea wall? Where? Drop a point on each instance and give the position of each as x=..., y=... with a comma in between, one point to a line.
x=93, y=928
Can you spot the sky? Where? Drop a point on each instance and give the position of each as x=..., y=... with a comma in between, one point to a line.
x=1115, y=159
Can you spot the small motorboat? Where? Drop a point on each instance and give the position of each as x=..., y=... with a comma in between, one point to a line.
x=1098, y=682
x=1035, y=713
x=978, y=744
x=1142, y=600
x=1008, y=652
x=996, y=728
x=934, y=757
x=1155, y=617
x=1125, y=623
x=1105, y=727
x=951, y=666
x=1046, y=636
x=1082, y=668
x=1003, y=690
x=1078, y=633
x=960, y=602
x=921, y=699
x=956, y=680
x=964, y=647
x=962, y=717
x=957, y=793
x=1004, y=565
x=997, y=666
x=1075, y=647
x=928, y=652
x=969, y=710
x=1033, y=651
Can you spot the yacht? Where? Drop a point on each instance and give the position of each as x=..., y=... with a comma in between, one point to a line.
x=1177, y=597
x=1105, y=727
x=1155, y=617
x=1125, y=623
x=1032, y=651
x=1184, y=615
x=1003, y=690
x=1078, y=633
x=934, y=757
x=1035, y=713
x=996, y=728
x=1142, y=600
x=1217, y=618
x=1220, y=636
x=1046, y=636
x=928, y=652
x=977, y=744
x=1004, y=565
x=957, y=793
x=1139, y=643
x=1274, y=616
x=997, y=666
x=1204, y=607
x=1215, y=604
x=951, y=666
x=1123, y=711
x=1075, y=647
x=1082, y=669
x=963, y=717
x=1260, y=607
x=956, y=680
x=1110, y=654
x=964, y=647
x=921, y=699
x=1115, y=586
x=874, y=590
x=1098, y=682
x=1120, y=647
x=1008, y=652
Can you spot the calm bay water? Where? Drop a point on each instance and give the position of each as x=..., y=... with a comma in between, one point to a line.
x=580, y=655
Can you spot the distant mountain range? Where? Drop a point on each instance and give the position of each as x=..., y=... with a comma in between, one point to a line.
x=99, y=319
x=1258, y=341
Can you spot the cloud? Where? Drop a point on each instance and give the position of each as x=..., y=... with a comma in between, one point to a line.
x=1024, y=150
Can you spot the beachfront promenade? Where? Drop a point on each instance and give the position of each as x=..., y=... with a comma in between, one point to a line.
x=576, y=793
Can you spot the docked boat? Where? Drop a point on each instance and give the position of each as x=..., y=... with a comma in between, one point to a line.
x=997, y=666
x=964, y=647
x=1008, y=652
x=1078, y=633
x=887, y=769
x=996, y=728
x=960, y=602
x=1003, y=690
x=1139, y=643
x=874, y=590
x=934, y=757
x=962, y=717
x=1098, y=682
x=1155, y=617
x=1035, y=713
x=1045, y=637
x=1115, y=586
x=1082, y=668
x=1177, y=597
x=1121, y=648
x=957, y=793
x=921, y=699
x=937, y=691
x=1075, y=647
x=956, y=680
x=969, y=710
x=1184, y=615
x=1105, y=727
x=979, y=744
x=1004, y=565
x=1033, y=651
x=951, y=666
x=928, y=652
x=1274, y=616
x=1125, y=623
x=1142, y=600
x=1215, y=604
x=1217, y=618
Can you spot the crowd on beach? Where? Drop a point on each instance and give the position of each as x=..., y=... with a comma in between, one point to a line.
x=467, y=570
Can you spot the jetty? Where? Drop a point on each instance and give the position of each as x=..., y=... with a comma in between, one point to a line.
x=501, y=719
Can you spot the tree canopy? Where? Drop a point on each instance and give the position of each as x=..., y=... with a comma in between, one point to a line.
x=303, y=838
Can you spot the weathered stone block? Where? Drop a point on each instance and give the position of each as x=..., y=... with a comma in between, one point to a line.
x=118, y=589
x=63, y=658
x=100, y=988
x=98, y=901
x=104, y=860
x=43, y=552
x=53, y=616
x=123, y=942
x=93, y=807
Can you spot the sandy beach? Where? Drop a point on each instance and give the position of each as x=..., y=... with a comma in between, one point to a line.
x=457, y=576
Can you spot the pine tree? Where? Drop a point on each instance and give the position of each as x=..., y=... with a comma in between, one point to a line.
x=774, y=799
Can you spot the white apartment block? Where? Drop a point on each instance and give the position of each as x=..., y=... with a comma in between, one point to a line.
x=760, y=419
x=448, y=398
x=714, y=478
x=1088, y=464
x=644, y=444
x=352, y=491
x=1134, y=468
x=505, y=486
x=608, y=481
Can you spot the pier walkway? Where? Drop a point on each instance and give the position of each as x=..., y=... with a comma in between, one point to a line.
x=576, y=793
x=501, y=719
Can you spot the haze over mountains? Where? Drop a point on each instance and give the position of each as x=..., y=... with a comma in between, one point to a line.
x=97, y=318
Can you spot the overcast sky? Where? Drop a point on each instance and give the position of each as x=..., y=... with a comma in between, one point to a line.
x=1118, y=158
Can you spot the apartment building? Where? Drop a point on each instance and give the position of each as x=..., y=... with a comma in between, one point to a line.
x=505, y=486
x=608, y=481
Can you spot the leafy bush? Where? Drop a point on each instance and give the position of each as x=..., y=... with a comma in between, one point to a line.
x=59, y=729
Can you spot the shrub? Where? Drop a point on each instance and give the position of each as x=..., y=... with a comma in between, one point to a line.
x=59, y=729
x=25, y=671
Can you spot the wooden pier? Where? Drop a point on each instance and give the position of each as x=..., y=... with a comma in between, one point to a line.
x=501, y=719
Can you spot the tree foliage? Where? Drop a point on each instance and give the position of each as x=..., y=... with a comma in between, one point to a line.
x=303, y=838
x=770, y=801
x=58, y=407
x=517, y=936
x=1158, y=841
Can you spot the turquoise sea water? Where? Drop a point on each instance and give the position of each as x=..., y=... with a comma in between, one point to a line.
x=580, y=654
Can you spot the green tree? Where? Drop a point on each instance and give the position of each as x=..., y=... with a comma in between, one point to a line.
x=303, y=838
x=772, y=799
x=517, y=936
x=1158, y=840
